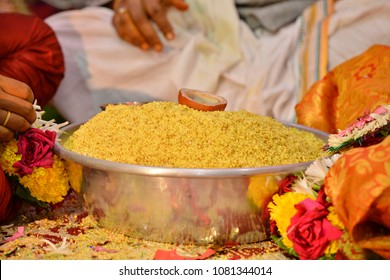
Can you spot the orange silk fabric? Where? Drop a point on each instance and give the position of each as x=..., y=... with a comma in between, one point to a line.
x=348, y=91
x=359, y=186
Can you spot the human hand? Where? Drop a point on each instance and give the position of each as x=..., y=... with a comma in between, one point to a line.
x=133, y=21
x=16, y=110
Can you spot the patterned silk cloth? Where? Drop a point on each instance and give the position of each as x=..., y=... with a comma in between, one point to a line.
x=359, y=182
x=359, y=187
x=348, y=91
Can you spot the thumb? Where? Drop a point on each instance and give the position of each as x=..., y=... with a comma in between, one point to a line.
x=179, y=4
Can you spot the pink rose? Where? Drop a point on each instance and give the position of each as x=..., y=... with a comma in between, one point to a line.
x=310, y=231
x=36, y=147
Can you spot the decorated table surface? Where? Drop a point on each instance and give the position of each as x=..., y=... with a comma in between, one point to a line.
x=337, y=208
x=345, y=200
x=70, y=232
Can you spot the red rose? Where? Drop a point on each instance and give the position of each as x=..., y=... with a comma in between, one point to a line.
x=273, y=228
x=285, y=184
x=310, y=231
x=36, y=147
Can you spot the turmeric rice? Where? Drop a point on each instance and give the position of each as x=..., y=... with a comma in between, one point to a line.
x=168, y=134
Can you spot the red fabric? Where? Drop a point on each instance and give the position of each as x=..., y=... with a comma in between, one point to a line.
x=7, y=205
x=30, y=52
x=172, y=255
x=41, y=9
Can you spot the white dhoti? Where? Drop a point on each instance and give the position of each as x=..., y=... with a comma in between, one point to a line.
x=213, y=51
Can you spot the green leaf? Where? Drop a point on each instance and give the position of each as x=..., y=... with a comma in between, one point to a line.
x=330, y=257
x=290, y=251
x=380, y=133
x=24, y=193
x=279, y=242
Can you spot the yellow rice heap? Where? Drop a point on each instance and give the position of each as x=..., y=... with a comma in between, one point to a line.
x=173, y=135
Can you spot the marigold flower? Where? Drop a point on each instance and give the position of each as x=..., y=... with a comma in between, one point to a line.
x=31, y=159
x=75, y=172
x=282, y=210
x=332, y=248
x=9, y=156
x=261, y=188
x=48, y=184
x=334, y=218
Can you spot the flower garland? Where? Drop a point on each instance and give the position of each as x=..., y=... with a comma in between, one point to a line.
x=35, y=172
x=369, y=129
x=303, y=220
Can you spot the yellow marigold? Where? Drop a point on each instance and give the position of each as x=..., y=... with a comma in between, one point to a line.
x=335, y=221
x=332, y=248
x=282, y=210
x=261, y=188
x=48, y=184
x=75, y=172
x=334, y=218
x=8, y=157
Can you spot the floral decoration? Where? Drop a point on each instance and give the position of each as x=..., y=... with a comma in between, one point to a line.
x=303, y=220
x=369, y=129
x=35, y=172
x=36, y=147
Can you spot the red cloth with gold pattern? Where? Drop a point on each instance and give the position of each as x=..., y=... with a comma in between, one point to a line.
x=351, y=89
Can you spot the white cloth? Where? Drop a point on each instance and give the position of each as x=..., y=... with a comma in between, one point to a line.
x=356, y=26
x=213, y=51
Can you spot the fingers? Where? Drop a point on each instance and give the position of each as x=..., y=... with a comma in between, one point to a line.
x=5, y=134
x=16, y=110
x=134, y=25
x=181, y=5
x=16, y=88
x=125, y=26
x=141, y=13
x=157, y=12
x=127, y=30
x=13, y=121
x=133, y=21
x=16, y=105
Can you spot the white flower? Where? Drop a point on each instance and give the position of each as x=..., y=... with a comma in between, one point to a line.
x=62, y=250
x=302, y=185
x=46, y=125
x=316, y=172
x=329, y=161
